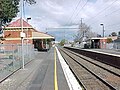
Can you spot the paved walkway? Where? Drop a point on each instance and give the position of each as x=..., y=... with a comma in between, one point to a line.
x=37, y=75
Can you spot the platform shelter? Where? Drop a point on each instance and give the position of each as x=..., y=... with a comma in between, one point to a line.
x=98, y=42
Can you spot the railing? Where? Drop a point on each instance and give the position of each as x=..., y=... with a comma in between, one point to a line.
x=11, y=58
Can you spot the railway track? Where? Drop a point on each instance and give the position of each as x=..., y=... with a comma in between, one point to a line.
x=91, y=74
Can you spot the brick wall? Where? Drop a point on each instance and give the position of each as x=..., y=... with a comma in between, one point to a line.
x=13, y=36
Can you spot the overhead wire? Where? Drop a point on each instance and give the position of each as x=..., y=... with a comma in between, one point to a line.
x=115, y=29
x=102, y=11
x=115, y=24
x=77, y=5
x=113, y=12
x=74, y=11
x=97, y=13
x=80, y=10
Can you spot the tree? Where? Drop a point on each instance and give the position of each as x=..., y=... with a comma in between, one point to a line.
x=9, y=9
x=83, y=33
x=113, y=34
x=30, y=1
x=62, y=42
x=109, y=40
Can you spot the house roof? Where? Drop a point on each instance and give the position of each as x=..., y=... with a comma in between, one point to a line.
x=41, y=35
x=17, y=23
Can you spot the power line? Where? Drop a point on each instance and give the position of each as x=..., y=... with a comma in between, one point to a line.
x=113, y=25
x=115, y=29
x=109, y=14
x=80, y=10
x=112, y=12
x=62, y=28
x=102, y=10
x=74, y=11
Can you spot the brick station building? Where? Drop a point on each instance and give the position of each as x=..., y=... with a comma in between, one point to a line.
x=12, y=34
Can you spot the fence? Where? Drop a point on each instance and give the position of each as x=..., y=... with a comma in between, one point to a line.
x=114, y=46
x=11, y=58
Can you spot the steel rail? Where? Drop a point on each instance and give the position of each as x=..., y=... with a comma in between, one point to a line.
x=94, y=63
x=98, y=77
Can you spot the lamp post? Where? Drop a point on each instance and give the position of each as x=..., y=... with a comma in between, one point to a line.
x=22, y=34
x=27, y=29
x=27, y=37
x=103, y=28
x=28, y=19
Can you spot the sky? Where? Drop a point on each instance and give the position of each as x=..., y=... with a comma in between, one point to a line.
x=51, y=15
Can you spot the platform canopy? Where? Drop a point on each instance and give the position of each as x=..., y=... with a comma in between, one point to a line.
x=95, y=38
x=41, y=35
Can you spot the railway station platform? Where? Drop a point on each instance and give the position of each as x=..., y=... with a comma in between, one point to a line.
x=110, y=51
x=104, y=51
x=45, y=72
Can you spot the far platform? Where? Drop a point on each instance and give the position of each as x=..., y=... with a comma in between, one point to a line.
x=112, y=52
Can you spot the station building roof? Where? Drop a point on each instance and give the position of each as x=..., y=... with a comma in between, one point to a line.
x=17, y=24
x=41, y=35
x=35, y=33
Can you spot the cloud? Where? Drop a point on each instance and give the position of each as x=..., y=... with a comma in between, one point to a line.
x=59, y=13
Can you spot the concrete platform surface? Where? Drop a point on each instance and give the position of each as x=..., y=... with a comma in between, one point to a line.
x=107, y=51
x=37, y=75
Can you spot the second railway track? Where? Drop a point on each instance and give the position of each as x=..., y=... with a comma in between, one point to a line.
x=91, y=76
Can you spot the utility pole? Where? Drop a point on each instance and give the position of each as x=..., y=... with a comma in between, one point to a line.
x=82, y=30
x=81, y=25
x=22, y=34
x=81, y=20
x=103, y=28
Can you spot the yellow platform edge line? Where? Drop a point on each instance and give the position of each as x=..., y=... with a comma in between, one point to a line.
x=55, y=71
